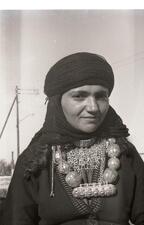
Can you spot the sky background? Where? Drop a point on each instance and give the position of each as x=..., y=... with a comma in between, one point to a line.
x=31, y=41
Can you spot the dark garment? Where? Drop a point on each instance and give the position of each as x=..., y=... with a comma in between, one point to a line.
x=29, y=203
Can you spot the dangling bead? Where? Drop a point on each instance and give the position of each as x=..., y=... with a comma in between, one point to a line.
x=110, y=175
x=73, y=179
x=114, y=163
x=113, y=150
x=63, y=167
x=111, y=140
x=58, y=156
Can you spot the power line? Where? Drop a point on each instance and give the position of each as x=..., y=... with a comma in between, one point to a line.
x=128, y=63
x=130, y=59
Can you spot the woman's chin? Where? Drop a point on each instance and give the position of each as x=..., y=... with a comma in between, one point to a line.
x=90, y=128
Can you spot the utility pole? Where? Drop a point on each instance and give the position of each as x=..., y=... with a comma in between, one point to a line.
x=7, y=117
x=16, y=100
x=17, y=120
x=12, y=163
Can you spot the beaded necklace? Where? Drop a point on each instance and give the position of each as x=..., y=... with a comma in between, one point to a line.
x=79, y=163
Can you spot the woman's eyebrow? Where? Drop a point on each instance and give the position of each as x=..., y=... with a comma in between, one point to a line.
x=83, y=92
x=79, y=92
x=102, y=92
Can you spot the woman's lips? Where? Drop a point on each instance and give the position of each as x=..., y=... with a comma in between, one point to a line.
x=91, y=118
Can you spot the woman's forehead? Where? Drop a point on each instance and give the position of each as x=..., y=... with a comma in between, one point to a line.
x=88, y=88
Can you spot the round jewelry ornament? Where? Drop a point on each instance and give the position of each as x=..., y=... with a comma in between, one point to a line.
x=113, y=150
x=73, y=179
x=110, y=175
x=63, y=167
x=111, y=140
x=114, y=163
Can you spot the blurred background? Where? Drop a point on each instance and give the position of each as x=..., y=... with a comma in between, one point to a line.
x=31, y=41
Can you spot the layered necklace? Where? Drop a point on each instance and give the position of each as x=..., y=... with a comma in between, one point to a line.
x=87, y=157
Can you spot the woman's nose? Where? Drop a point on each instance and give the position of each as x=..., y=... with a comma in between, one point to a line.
x=92, y=105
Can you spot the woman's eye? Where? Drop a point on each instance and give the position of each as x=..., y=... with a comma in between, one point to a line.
x=78, y=97
x=102, y=97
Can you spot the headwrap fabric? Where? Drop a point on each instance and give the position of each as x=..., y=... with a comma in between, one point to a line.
x=76, y=70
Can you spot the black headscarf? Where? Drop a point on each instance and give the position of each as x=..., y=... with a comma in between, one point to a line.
x=76, y=70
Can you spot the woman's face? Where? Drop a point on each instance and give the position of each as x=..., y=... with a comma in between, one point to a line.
x=85, y=107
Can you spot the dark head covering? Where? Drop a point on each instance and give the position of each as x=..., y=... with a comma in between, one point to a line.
x=76, y=70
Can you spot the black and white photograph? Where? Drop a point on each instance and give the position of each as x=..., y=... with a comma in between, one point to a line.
x=72, y=117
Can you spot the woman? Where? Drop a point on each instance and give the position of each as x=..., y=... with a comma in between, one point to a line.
x=79, y=168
